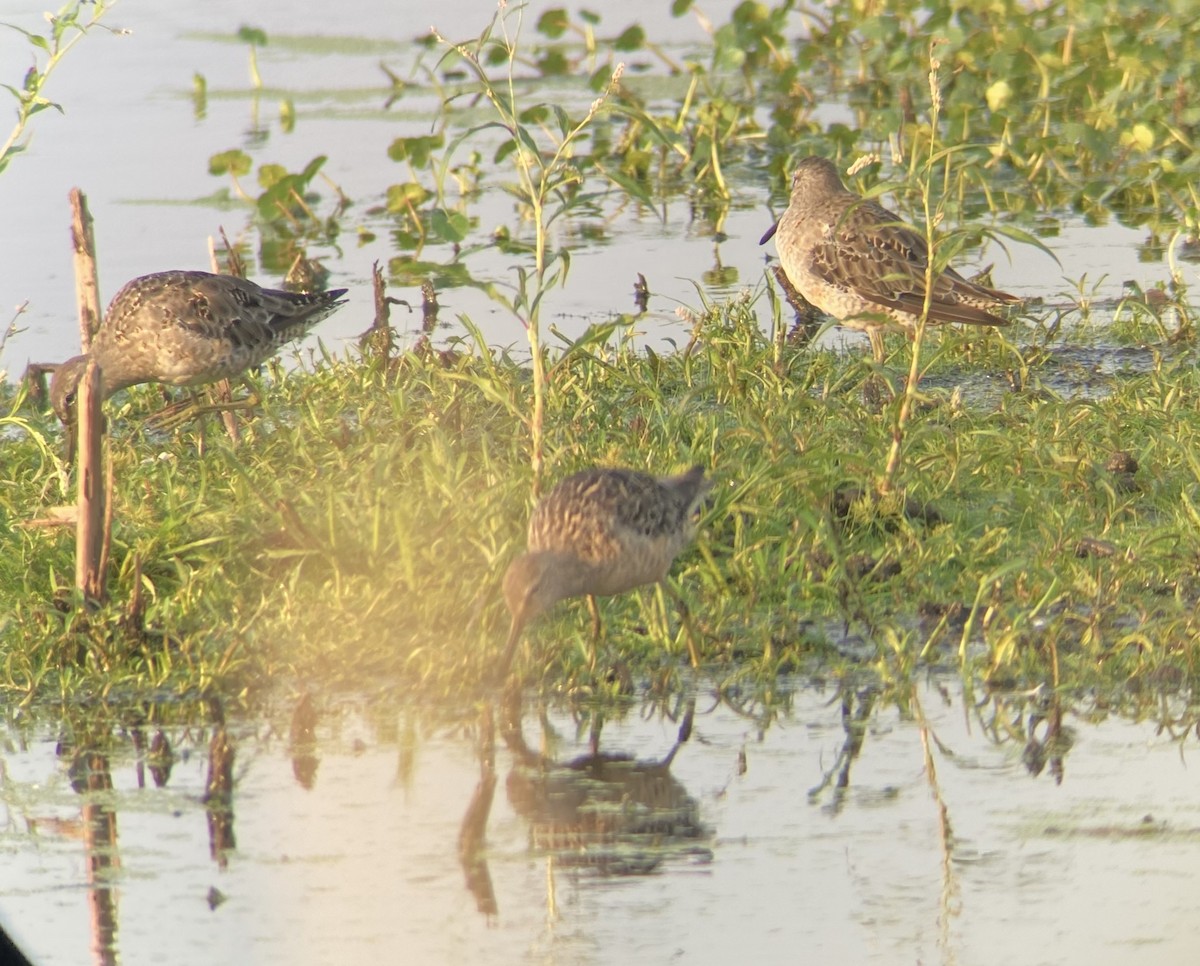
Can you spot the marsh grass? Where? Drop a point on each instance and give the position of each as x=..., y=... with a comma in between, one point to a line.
x=1043, y=523
x=356, y=537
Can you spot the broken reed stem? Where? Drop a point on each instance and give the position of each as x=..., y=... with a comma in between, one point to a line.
x=429, y=308
x=89, y=533
x=222, y=390
x=379, y=339
x=87, y=287
x=106, y=535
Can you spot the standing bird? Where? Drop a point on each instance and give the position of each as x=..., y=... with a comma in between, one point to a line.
x=186, y=329
x=602, y=532
x=855, y=260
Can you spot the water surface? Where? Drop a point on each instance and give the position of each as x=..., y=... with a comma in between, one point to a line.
x=819, y=831
x=135, y=139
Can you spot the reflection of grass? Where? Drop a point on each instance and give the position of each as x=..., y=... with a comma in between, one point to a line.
x=358, y=534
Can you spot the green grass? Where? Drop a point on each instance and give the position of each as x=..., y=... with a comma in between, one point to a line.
x=357, y=536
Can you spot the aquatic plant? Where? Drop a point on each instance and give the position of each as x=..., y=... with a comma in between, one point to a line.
x=66, y=28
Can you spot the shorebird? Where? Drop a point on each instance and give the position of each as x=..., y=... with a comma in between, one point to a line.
x=598, y=533
x=186, y=329
x=857, y=261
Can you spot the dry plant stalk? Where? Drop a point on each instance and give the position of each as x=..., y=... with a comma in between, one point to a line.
x=89, y=531
x=87, y=286
x=380, y=339
x=93, y=526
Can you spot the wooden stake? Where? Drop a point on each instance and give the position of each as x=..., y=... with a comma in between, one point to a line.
x=89, y=533
x=87, y=288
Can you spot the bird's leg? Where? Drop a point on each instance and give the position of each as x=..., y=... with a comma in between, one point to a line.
x=685, y=618
x=175, y=415
x=594, y=736
x=223, y=392
x=510, y=647
x=594, y=610
x=876, y=337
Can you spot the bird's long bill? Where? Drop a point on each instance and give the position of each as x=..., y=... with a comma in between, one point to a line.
x=770, y=234
x=514, y=637
x=70, y=440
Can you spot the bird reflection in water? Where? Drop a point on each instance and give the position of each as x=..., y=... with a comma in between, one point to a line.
x=607, y=812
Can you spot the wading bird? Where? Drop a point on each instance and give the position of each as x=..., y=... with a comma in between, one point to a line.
x=855, y=260
x=598, y=533
x=187, y=329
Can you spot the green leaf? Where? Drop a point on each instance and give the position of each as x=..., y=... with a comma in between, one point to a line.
x=277, y=199
x=534, y=115
x=40, y=104
x=505, y=149
x=415, y=150
x=405, y=270
x=252, y=35
x=600, y=78
x=564, y=120
x=313, y=166
x=553, y=23
x=1140, y=137
x=554, y=63
x=270, y=175
x=407, y=241
x=633, y=38
x=402, y=197
x=448, y=226
x=998, y=95
x=234, y=162
x=1022, y=236
x=632, y=187
x=680, y=7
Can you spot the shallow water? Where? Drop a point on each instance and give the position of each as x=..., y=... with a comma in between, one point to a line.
x=816, y=835
x=365, y=862
x=134, y=141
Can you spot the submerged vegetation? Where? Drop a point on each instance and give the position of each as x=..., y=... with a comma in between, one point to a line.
x=1028, y=510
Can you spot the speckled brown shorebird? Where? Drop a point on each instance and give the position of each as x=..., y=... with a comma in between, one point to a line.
x=598, y=533
x=186, y=329
x=855, y=260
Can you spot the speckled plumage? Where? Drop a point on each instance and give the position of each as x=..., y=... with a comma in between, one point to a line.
x=598, y=533
x=855, y=260
x=189, y=328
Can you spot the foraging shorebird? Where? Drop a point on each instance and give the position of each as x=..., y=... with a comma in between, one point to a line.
x=855, y=260
x=186, y=329
x=598, y=533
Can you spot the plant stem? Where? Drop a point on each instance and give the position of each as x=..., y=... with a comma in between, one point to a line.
x=904, y=413
x=30, y=96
